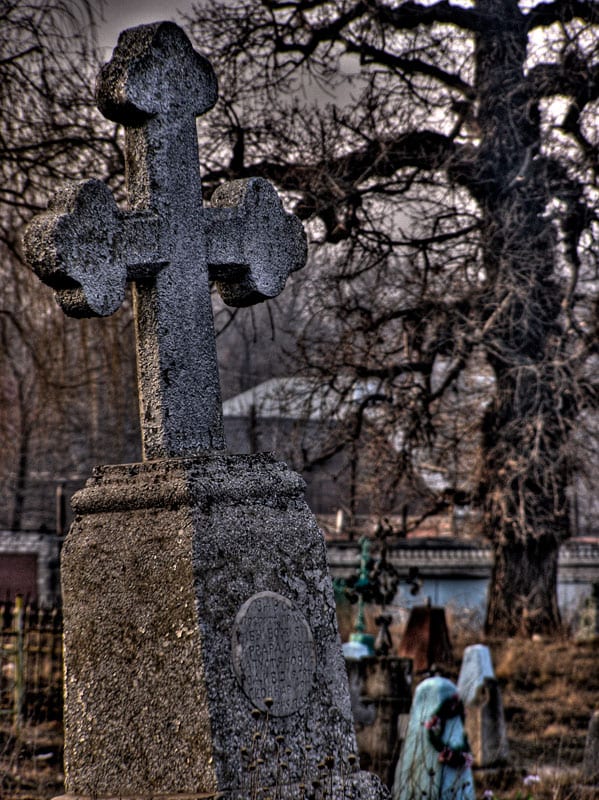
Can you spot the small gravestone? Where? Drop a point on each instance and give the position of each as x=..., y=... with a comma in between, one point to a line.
x=587, y=628
x=481, y=695
x=381, y=695
x=590, y=764
x=426, y=639
x=199, y=619
x=435, y=762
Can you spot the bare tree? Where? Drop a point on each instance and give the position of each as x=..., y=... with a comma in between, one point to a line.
x=58, y=377
x=445, y=157
x=253, y=343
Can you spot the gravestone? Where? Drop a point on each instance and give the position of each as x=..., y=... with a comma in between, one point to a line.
x=381, y=695
x=587, y=628
x=426, y=639
x=435, y=761
x=481, y=695
x=590, y=763
x=201, y=648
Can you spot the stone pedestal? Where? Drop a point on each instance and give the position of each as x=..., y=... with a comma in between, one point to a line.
x=381, y=694
x=201, y=644
x=481, y=695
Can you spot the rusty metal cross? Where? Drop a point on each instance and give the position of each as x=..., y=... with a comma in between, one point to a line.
x=167, y=244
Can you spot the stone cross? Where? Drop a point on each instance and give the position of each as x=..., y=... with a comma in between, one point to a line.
x=167, y=244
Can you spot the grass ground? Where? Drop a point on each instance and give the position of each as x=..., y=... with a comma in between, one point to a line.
x=31, y=761
x=550, y=689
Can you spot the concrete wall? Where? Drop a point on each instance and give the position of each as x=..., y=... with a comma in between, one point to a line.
x=456, y=575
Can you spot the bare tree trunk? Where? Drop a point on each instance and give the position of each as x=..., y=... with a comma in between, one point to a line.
x=523, y=591
x=525, y=464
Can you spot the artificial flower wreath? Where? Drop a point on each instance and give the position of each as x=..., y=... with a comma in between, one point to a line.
x=456, y=757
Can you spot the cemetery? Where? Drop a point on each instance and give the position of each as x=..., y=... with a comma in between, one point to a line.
x=223, y=627
x=548, y=689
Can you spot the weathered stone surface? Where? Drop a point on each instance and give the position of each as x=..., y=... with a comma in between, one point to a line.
x=159, y=571
x=381, y=694
x=252, y=239
x=485, y=722
x=167, y=244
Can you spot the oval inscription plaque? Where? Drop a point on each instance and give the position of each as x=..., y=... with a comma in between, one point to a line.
x=273, y=653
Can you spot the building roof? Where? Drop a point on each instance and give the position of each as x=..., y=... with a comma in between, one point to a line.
x=289, y=398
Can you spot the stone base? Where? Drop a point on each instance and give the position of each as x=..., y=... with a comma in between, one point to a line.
x=153, y=796
x=201, y=641
x=359, y=786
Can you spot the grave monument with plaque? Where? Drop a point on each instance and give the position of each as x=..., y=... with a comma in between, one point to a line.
x=202, y=656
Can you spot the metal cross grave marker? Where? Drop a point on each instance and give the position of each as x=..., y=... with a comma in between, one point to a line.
x=167, y=244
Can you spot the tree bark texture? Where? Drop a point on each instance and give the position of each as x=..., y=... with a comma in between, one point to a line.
x=526, y=428
x=522, y=596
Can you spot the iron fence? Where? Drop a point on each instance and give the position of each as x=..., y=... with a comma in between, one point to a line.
x=30, y=662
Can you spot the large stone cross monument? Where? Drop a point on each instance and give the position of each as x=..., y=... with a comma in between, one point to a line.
x=202, y=656
x=168, y=244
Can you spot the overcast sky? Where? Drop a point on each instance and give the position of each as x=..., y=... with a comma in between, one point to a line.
x=121, y=14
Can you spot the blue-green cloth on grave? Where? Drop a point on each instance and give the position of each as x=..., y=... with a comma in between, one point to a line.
x=435, y=759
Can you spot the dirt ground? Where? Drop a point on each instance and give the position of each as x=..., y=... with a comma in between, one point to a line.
x=550, y=689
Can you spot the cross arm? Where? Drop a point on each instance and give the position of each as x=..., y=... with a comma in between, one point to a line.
x=169, y=245
x=86, y=249
x=253, y=244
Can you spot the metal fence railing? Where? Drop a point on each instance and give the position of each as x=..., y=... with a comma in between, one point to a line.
x=30, y=662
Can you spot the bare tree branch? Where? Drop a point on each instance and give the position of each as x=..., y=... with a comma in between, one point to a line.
x=545, y=14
